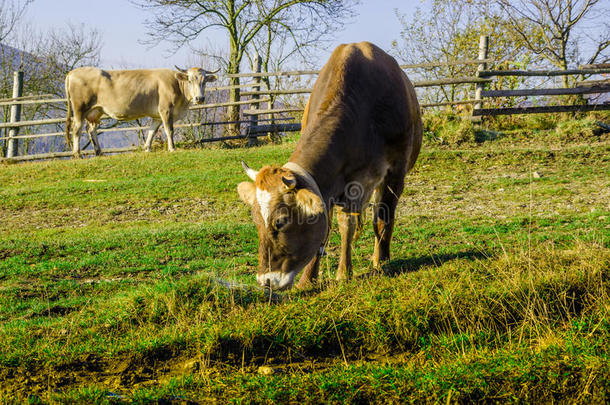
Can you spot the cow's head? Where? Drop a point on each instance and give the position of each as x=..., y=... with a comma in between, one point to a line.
x=194, y=82
x=292, y=222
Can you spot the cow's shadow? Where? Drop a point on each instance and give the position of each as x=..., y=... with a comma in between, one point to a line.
x=397, y=267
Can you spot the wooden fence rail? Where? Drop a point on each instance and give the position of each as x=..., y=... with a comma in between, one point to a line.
x=39, y=100
x=144, y=128
x=564, y=91
x=540, y=110
x=595, y=87
x=546, y=73
x=20, y=124
x=5, y=102
x=408, y=66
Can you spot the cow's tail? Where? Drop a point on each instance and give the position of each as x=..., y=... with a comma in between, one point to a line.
x=68, y=114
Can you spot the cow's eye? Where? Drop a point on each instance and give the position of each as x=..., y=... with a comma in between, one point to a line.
x=279, y=223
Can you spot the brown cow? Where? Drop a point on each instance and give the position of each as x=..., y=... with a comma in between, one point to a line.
x=162, y=94
x=361, y=134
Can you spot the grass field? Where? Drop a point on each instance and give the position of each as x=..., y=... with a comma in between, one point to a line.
x=130, y=279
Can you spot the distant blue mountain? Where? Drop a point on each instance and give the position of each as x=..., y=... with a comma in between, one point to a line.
x=12, y=57
x=16, y=59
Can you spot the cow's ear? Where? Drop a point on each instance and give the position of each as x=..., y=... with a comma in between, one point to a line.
x=181, y=76
x=211, y=78
x=309, y=203
x=247, y=192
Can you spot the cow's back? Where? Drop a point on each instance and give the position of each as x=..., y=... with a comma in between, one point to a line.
x=364, y=108
x=363, y=74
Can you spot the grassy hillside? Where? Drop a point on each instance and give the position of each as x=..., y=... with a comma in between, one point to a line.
x=131, y=279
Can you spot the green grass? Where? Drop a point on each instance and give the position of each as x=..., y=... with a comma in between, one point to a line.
x=131, y=279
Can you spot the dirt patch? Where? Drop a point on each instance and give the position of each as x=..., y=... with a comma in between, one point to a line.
x=6, y=253
x=36, y=217
x=52, y=311
x=121, y=375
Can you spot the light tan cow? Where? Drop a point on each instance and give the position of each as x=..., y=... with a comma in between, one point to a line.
x=162, y=94
x=361, y=134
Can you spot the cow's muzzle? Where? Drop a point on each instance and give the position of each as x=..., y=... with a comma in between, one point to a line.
x=276, y=280
x=199, y=100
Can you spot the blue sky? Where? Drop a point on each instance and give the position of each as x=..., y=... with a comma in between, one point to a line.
x=122, y=27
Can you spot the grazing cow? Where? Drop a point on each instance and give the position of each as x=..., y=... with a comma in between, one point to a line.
x=361, y=134
x=162, y=94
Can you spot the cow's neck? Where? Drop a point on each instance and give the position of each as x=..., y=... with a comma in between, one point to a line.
x=184, y=90
x=320, y=151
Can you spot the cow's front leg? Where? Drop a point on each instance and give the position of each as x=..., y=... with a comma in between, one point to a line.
x=310, y=273
x=168, y=125
x=152, y=130
x=348, y=222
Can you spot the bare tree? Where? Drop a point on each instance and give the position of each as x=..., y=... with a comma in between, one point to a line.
x=11, y=12
x=295, y=36
x=60, y=51
x=543, y=33
x=560, y=31
x=183, y=21
x=449, y=30
x=280, y=45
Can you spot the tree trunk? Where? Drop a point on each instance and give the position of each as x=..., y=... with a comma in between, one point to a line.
x=233, y=110
x=234, y=94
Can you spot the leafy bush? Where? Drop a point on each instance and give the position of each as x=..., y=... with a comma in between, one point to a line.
x=448, y=129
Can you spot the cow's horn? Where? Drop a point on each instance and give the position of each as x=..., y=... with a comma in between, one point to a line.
x=182, y=70
x=290, y=182
x=249, y=171
x=213, y=72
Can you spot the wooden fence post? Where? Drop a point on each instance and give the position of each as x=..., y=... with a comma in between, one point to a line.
x=483, y=52
x=258, y=62
x=13, y=144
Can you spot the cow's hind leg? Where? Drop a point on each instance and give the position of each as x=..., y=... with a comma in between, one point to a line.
x=386, y=196
x=152, y=130
x=92, y=131
x=77, y=125
x=348, y=222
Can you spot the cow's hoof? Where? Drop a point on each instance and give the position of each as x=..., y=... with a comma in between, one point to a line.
x=306, y=283
x=343, y=276
x=378, y=262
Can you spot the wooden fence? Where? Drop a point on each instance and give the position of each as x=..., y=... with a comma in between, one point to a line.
x=277, y=121
x=581, y=88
